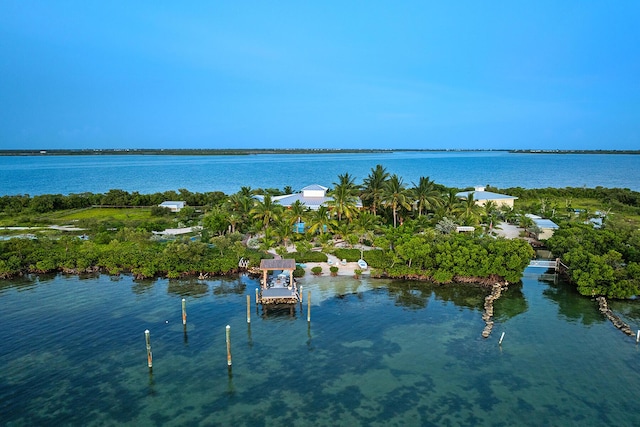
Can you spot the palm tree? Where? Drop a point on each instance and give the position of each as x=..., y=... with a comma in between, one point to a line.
x=344, y=197
x=287, y=189
x=234, y=219
x=266, y=211
x=490, y=213
x=451, y=205
x=246, y=191
x=320, y=220
x=343, y=230
x=394, y=195
x=267, y=241
x=471, y=211
x=365, y=226
x=508, y=214
x=426, y=195
x=296, y=212
x=283, y=231
x=373, y=185
x=240, y=205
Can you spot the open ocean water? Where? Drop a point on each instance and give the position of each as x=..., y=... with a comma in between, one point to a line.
x=149, y=174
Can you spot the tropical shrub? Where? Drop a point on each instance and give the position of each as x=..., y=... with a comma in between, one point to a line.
x=350, y=255
x=310, y=256
x=299, y=271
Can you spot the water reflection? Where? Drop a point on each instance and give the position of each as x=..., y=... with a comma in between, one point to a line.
x=279, y=311
x=415, y=296
x=468, y=296
x=571, y=305
x=629, y=311
x=25, y=283
x=511, y=303
x=230, y=286
x=188, y=288
x=143, y=286
x=412, y=295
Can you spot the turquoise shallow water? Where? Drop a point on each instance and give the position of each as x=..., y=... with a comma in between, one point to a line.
x=376, y=353
x=149, y=174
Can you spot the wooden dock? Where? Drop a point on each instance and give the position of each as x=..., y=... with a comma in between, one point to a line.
x=546, y=263
x=282, y=290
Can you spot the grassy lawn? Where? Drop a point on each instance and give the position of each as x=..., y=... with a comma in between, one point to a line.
x=69, y=217
x=103, y=213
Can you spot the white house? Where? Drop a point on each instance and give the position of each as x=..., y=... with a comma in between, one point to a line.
x=173, y=206
x=546, y=226
x=312, y=196
x=481, y=197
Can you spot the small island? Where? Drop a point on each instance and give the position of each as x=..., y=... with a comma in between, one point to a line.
x=418, y=231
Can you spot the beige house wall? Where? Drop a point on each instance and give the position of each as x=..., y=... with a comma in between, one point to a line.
x=498, y=202
x=545, y=233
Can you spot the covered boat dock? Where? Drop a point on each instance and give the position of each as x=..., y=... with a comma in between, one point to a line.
x=283, y=290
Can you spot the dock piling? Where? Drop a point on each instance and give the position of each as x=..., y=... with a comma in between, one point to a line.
x=301, y=294
x=257, y=296
x=638, y=337
x=308, y=306
x=228, y=346
x=501, y=338
x=248, y=308
x=147, y=339
x=184, y=311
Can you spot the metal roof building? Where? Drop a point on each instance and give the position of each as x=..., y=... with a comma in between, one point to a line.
x=481, y=197
x=312, y=196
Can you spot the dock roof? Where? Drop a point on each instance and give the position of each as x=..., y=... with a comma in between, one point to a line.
x=278, y=264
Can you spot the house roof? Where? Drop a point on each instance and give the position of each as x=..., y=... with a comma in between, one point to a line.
x=314, y=187
x=542, y=222
x=546, y=223
x=312, y=203
x=485, y=195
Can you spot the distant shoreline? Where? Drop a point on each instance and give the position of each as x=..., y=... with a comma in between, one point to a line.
x=257, y=151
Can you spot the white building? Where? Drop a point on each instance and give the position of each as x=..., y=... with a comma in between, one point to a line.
x=173, y=206
x=546, y=226
x=312, y=196
x=481, y=197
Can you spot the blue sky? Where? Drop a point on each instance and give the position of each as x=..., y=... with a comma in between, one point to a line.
x=324, y=74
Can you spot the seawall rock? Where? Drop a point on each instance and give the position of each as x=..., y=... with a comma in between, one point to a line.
x=487, y=316
x=615, y=320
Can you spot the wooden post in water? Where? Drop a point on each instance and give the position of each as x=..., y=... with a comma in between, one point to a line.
x=149, y=354
x=300, y=294
x=308, y=306
x=256, y=296
x=638, y=336
x=184, y=311
x=229, y=346
x=248, y=308
x=501, y=338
